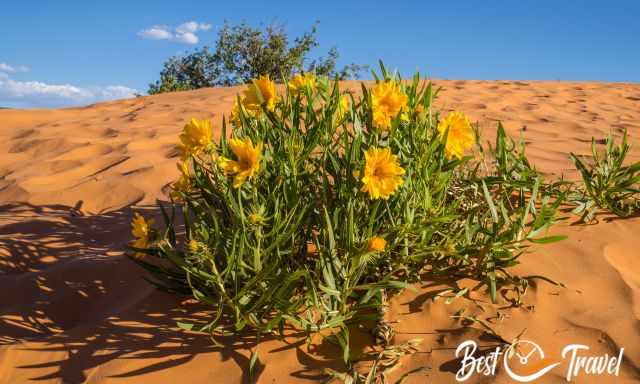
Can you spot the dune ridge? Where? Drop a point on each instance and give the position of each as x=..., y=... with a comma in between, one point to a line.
x=75, y=309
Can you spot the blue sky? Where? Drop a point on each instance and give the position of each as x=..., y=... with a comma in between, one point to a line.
x=56, y=53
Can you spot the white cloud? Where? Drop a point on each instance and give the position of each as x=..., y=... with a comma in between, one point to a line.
x=184, y=33
x=29, y=94
x=6, y=68
x=187, y=38
x=157, y=32
x=192, y=26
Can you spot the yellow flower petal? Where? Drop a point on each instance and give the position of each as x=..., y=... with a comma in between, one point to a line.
x=256, y=218
x=459, y=136
x=141, y=230
x=261, y=92
x=247, y=163
x=183, y=184
x=387, y=101
x=194, y=246
x=195, y=136
x=235, y=113
x=382, y=174
x=343, y=108
x=376, y=244
x=301, y=81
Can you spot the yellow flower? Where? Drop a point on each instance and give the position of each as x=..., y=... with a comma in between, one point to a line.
x=141, y=231
x=141, y=244
x=235, y=114
x=183, y=184
x=301, y=81
x=343, y=108
x=382, y=173
x=194, y=246
x=262, y=87
x=248, y=162
x=387, y=101
x=141, y=228
x=459, y=136
x=256, y=218
x=195, y=136
x=376, y=244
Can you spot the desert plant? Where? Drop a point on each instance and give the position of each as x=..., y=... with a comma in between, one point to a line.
x=315, y=203
x=608, y=184
x=242, y=53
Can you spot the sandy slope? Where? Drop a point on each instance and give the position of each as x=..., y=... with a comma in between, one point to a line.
x=74, y=309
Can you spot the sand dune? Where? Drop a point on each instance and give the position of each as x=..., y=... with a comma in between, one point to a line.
x=74, y=309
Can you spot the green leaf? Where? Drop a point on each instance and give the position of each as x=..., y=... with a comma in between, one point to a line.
x=252, y=362
x=185, y=326
x=492, y=207
x=548, y=239
x=492, y=286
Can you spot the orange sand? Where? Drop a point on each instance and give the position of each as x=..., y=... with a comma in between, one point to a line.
x=74, y=309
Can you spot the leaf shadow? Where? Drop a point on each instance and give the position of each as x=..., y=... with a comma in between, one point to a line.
x=79, y=303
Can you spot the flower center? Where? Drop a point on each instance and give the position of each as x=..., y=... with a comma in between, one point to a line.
x=245, y=163
x=381, y=171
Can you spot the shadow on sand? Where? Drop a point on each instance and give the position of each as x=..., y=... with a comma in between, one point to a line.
x=76, y=302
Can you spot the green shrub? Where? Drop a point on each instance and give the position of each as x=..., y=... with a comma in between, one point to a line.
x=242, y=53
x=321, y=202
x=608, y=184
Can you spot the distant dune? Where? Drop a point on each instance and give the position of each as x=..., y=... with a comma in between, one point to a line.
x=74, y=309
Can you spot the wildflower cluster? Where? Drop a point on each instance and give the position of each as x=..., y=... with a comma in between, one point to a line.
x=314, y=203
